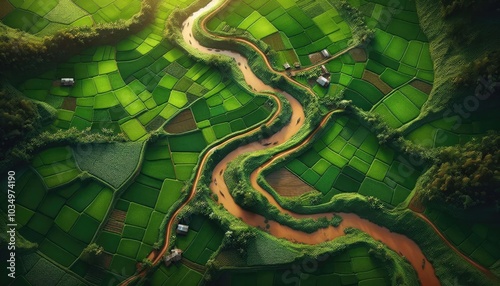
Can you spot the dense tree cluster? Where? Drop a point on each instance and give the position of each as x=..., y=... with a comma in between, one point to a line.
x=238, y=240
x=24, y=150
x=467, y=176
x=470, y=7
x=92, y=252
x=355, y=17
x=18, y=118
x=487, y=66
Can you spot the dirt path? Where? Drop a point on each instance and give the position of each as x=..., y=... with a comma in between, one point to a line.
x=418, y=208
x=397, y=242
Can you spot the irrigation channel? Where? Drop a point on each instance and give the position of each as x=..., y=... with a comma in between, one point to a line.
x=397, y=242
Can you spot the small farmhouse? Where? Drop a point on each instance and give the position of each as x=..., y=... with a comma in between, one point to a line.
x=67, y=81
x=174, y=256
x=323, y=81
x=182, y=229
x=325, y=53
x=286, y=66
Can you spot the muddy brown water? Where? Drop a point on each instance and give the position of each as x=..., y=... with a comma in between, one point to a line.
x=397, y=242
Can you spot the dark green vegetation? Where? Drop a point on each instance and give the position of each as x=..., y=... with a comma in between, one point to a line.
x=19, y=119
x=466, y=176
x=477, y=240
x=348, y=158
x=112, y=163
x=355, y=265
x=98, y=177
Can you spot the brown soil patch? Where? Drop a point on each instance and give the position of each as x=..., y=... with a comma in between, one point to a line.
x=374, y=79
x=358, y=54
x=316, y=58
x=311, y=82
x=416, y=205
x=118, y=215
x=6, y=8
x=422, y=86
x=274, y=41
x=287, y=184
x=69, y=103
x=183, y=122
x=116, y=221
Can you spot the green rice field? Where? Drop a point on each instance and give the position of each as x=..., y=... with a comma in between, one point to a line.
x=388, y=80
x=202, y=241
x=354, y=266
x=56, y=166
x=347, y=158
x=134, y=142
x=477, y=241
x=453, y=130
x=293, y=30
x=63, y=221
x=50, y=16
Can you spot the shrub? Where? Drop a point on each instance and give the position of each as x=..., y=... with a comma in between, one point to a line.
x=18, y=120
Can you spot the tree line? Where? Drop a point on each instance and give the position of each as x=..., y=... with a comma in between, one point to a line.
x=22, y=52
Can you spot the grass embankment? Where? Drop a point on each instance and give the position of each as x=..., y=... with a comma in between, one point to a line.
x=455, y=43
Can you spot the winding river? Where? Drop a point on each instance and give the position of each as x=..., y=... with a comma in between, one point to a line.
x=399, y=243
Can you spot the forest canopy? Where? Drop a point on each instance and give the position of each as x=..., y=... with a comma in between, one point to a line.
x=18, y=118
x=467, y=176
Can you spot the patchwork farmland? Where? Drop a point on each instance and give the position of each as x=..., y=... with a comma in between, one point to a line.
x=293, y=30
x=45, y=18
x=152, y=142
x=348, y=158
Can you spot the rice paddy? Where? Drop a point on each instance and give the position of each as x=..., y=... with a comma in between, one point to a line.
x=171, y=107
x=478, y=241
x=353, y=266
x=62, y=221
x=293, y=30
x=347, y=158
x=454, y=129
x=48, y=17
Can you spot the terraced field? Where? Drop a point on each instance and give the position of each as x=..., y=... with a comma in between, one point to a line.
x=139, y=84
x=202, y=241
x=478, y=241
x=62, y=221
x=295, y=31
x=56, y=166
x=134, y=88
x=144, y=204
x=453, y=130
x=176, y=275
x=394, y=74
x=47, y=17
x=352, y=267
x=348, y=158
x=179, y=114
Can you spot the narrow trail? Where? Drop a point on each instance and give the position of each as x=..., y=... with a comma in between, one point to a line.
x=203, y=25
x=419, y=209
x=397, y=242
